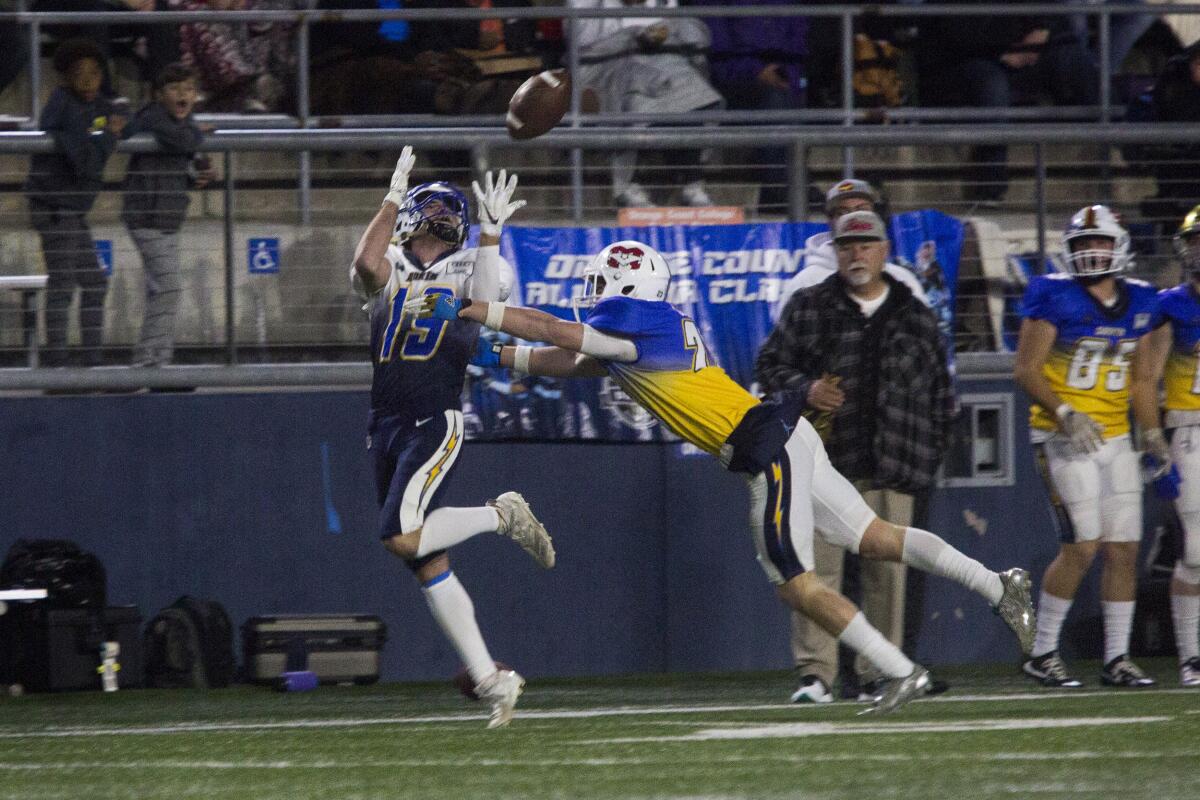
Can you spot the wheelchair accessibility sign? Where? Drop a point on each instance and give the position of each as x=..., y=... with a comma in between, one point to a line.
x=263, y=256
x=104, y=256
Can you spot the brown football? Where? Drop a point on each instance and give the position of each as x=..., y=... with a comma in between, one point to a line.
x=538, y=104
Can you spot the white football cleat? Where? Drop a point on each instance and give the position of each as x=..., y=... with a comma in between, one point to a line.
x=899, y=691
x=501, y=689
x=812, y=690
x=1189, y=673
x=518, y=523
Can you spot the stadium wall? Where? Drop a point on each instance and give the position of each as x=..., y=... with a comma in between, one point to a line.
x=265, y=501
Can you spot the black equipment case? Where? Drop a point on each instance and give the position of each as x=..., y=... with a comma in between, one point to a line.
x=339, y=648
x=56, y=649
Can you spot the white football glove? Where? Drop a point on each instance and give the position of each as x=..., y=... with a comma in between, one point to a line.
x=1085, y=433
x=399, y=186
x=1154, y=444
x=495, y=202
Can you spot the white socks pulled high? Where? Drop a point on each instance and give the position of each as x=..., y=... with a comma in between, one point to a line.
x=451, y=606
x=930, y=553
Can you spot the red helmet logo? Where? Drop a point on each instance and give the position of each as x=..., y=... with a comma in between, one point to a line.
x=625, y=257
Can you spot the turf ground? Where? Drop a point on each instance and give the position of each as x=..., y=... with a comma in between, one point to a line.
x=662, y=736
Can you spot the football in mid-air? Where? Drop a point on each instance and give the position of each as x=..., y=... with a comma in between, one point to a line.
x=538, y=104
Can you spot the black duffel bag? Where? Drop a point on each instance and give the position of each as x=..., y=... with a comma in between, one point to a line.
x=72, y=577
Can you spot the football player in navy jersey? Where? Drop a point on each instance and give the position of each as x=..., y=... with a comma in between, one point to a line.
x=413, y=248
x=1176, y=346
x=656, y=354
x=1081, y=357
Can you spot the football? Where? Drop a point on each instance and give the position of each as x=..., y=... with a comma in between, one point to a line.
x=538, y=104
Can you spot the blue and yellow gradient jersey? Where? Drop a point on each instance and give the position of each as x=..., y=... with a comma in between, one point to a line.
x=672, y=377
x=1088, y=365
x=1180, y=307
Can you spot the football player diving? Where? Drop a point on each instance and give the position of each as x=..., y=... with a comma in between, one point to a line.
x=414, y=248
x=656, y=354
x=1176, y=346
x=1081, y=359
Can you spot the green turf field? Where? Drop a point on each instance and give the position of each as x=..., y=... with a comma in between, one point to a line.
x=711, y=736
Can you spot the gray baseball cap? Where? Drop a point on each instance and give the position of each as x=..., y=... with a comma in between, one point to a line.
x=859, y=226
x=850, y=187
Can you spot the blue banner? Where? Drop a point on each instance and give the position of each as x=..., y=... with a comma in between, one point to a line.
x=726, y=277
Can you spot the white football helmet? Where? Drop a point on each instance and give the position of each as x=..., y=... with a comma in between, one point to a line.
x=1095, y=221
x=624, y=269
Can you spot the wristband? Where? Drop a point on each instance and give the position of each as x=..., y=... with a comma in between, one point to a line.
x=521, y=358
x=1062, y=410
x=495, y=315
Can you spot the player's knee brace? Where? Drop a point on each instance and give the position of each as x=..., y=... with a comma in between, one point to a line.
x=1187, y=574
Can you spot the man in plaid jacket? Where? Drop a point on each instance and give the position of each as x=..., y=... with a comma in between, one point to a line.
x=867, y=356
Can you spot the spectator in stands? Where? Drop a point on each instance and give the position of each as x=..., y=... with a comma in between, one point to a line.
x=997, y=61
x=243, y=67
x=759, y=63
x=820, y=255
x=1176, y=98
x=868, y=357
x=641, y=64
x=112, y=39
x=1124, y=31
x=61, y=188
x=156, y=201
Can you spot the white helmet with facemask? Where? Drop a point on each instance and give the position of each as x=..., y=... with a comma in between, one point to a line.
x=1095, y=221
x=624, y=269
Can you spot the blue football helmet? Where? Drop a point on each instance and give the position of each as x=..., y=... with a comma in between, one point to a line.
x=435, y=209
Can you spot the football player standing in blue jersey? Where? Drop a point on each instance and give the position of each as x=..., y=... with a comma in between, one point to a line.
x=1081, y=357
x=656, y=354
x=413, y=248
x=1176, y=346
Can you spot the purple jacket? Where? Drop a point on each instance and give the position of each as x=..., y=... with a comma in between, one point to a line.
x=742, y=46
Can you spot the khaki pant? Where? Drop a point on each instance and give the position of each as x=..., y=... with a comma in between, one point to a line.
x=814, y=650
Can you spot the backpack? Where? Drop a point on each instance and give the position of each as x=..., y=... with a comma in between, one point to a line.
x=189, y=644
x=72, y=577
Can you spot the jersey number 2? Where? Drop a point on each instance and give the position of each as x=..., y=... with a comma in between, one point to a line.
x=422, y=338
x=693, y=342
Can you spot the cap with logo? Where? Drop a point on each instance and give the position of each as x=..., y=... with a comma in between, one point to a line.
x=859, y=226
x=850, y=187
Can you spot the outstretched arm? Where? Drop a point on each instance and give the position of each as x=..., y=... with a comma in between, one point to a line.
x=371, y=269
x=552, y=362
x=495, y=204
x=530, y=324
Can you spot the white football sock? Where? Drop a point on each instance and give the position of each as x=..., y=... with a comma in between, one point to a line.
x=860, y=637
x=1118, y=622
x=446, y=527
x=930, y=553
x=1051, y=613
x=455, y=613
x=1185, y=612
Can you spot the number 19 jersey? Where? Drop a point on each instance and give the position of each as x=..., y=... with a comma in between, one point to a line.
x=1088, y=366
x=1180, y=307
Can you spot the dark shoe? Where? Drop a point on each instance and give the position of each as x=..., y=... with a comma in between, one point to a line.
x=1050, y=670
x=1123, y=672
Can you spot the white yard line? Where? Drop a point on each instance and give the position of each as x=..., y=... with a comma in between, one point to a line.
x=180, y=764
x=617, y=711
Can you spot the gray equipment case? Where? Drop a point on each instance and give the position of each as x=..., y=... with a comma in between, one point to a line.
x=340, y=648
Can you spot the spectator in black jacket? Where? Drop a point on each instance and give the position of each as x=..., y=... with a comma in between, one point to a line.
x=1176, y=98
x=868, y=358
x=156, y=200
x=62, y=186
x=995, y=61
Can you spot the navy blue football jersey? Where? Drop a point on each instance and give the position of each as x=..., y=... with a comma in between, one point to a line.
x=419, y=364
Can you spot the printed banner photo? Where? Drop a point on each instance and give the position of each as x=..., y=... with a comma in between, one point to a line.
x=727, y=278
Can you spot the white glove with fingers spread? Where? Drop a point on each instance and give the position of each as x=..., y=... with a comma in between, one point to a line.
x=495, y=202
x=399, y=186
x=1085, y=433
x=1154, y=444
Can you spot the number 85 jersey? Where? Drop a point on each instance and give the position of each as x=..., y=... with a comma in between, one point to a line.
x=1088, y=365
x=1180, y=307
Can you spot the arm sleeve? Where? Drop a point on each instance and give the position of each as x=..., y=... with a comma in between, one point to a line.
x=607, y=347
x=784, y=362
x=491, y=278
x=1036, y=304
x=87, y=151
x=172, y=135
